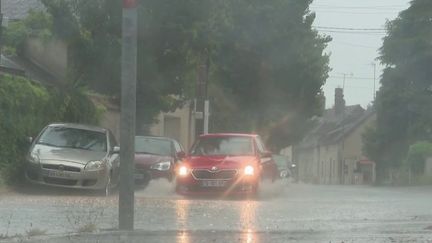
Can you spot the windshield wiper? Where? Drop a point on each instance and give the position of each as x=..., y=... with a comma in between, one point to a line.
x=48, y=144
x=140, y=152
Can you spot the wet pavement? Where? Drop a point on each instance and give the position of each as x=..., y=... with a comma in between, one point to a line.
x=281, y=213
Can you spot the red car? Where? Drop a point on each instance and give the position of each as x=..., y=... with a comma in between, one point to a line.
x=155, y=157
x=225, y=163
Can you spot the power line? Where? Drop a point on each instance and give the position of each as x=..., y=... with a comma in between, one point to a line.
x=354, y=78
x=381, y=7
x=354, y=44
x=353, y=32
x=345, y=28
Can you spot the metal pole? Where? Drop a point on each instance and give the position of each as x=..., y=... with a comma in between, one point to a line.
x=128, y=115
x=343, y=85
x=206, y=116
x=374, y=86
x=1, y=29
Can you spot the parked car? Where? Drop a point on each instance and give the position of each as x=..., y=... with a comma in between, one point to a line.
x=225, y=163
x=155, y=157
x=283, y=166
x=74, y=156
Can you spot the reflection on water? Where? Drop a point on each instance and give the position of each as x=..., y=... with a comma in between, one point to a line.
x=182, y=211
x=183, y=237
x=249, y=221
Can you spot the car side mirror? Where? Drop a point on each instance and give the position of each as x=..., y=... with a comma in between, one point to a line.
x=116, y=150
x=181, y=155
x=30, y=139
x=266, y=154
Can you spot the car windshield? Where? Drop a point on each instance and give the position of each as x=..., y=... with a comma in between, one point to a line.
x=65, y=137
x=157, y=146
x=233, y=146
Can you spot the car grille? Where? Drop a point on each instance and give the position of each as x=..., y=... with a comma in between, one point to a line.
x=61, y=167
x=59, y=181
x=214, y=175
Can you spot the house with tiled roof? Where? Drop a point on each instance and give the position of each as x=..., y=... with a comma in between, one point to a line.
x=331, y=152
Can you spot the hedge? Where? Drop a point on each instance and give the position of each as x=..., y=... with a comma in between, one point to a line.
x=25, y=108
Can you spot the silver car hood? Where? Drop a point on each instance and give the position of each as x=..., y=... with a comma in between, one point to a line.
x=66, y=154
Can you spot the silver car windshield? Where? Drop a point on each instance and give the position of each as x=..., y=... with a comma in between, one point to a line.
x=234, y=146
x=64, y=137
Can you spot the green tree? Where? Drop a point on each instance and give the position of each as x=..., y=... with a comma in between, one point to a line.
x=404, y=101
x=272, y=66
x=265, y=59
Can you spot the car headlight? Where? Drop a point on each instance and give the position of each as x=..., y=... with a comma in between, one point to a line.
x=33, y=158
x=249, y=170
x=95, y=165
x=162, y=166
x=183, y=171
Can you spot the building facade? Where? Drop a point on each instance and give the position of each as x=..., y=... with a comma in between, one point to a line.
x=331, y=153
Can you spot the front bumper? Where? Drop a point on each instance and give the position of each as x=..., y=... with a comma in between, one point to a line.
x=144, y=175
x=94, y=180
x=190, y=186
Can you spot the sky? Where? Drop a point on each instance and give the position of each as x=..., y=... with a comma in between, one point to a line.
x=353, y=54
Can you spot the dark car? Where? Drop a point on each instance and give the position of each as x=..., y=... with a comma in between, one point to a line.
x=284, y=166
x=155, y=157
x=225, y=163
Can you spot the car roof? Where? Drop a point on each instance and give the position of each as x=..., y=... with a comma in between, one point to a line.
x=250, y=135
x=155, y=137
x=79, y=126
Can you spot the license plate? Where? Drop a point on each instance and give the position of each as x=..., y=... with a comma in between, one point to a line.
x=57, y=174
x=215, y=183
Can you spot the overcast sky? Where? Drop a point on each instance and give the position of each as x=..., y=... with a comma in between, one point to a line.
x=353, y=53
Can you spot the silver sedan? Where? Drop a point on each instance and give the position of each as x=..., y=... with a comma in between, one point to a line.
x=74, y=156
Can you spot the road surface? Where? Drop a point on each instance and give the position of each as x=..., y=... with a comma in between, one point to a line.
x=282, y=213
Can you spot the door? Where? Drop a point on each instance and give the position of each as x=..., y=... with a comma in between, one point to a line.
x=269, y=168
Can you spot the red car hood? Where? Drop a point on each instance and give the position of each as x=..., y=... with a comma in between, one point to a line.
x=150, y=159
x=222, y=162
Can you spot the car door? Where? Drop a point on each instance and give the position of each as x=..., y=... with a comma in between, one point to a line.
x=268, y=166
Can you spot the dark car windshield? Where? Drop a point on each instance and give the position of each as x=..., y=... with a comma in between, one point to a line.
x=65, y=137
x=223, y=146
x=148, y=145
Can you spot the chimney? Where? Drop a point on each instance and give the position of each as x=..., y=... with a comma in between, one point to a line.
x=339, y=106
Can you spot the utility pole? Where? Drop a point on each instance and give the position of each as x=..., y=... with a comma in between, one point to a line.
x=201, y=93
x=374, y=80
x=128, y=114
x=1, y=28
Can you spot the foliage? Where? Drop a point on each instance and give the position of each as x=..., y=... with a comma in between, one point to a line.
x=37, y=24
x=265, y=59
x=25, y=108
x=417, y=155
x=404, y=101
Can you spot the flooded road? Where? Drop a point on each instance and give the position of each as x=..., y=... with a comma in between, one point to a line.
x=296, y=211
